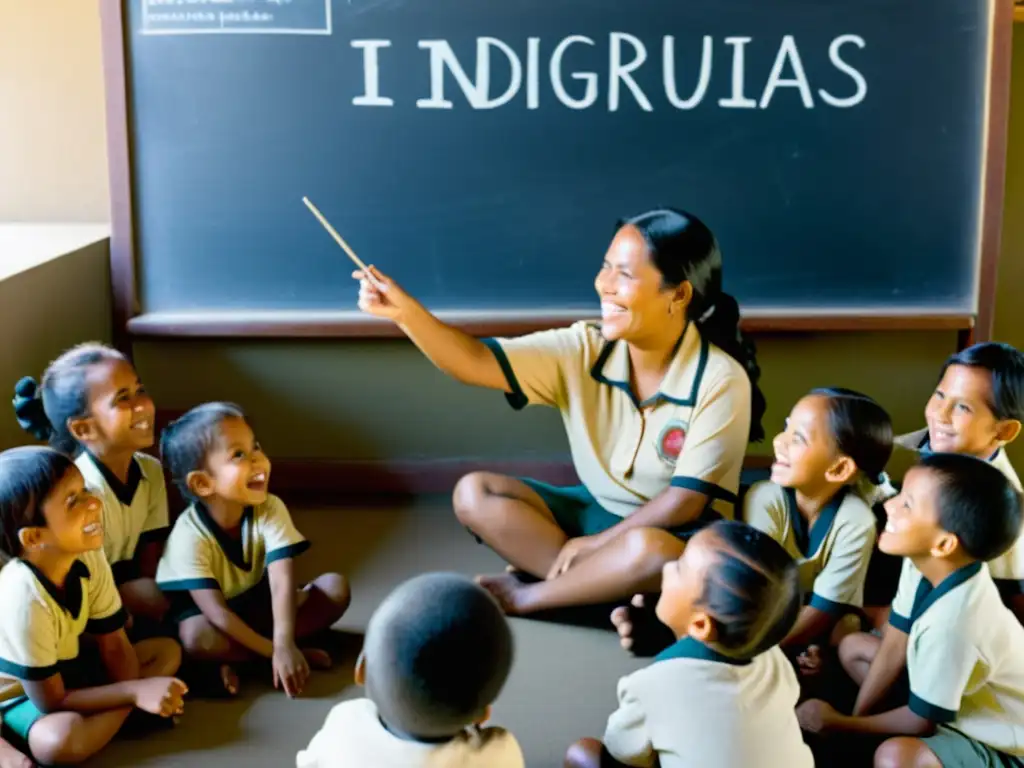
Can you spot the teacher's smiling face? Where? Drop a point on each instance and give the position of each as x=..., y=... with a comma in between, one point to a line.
x=635, y=301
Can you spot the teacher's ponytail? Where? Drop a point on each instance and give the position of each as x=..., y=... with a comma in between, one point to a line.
x=684, y=249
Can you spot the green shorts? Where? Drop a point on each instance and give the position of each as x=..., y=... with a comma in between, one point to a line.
x=957, y=750
x=20, y=714
x=578, y=514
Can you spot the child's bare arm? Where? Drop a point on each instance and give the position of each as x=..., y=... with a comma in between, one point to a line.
x=211, y=602
x=810, y=625
x=118, y=656
x=156, y=695
x=817, y=716
x=149, y=558
x=888, y=663
x=282, y=591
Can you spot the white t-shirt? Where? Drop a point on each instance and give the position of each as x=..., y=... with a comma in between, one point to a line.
x=354, y=737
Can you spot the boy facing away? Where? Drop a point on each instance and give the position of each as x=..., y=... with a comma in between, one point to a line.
x=438, y=651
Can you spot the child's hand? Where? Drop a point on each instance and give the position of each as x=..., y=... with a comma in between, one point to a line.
x=816, y=716
x=291, y=669
x=810, y=662
x=160, y=695
x=572, y=551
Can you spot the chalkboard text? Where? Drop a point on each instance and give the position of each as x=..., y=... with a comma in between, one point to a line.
x=577, y=89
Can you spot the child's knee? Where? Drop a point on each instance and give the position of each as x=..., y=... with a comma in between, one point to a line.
x=158, y=657
x=857, y=648
x=585, y=753
x=201, y=639
x=904, y=752
x=335, y=588
x=60, y=739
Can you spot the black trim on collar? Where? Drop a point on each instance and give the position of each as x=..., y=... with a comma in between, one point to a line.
x=927, y=595
x=125, y=492
x=70, y=597
x=808, y=541
x=235, y=549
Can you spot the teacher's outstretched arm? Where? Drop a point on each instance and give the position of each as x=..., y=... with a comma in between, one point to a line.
x=454, y=352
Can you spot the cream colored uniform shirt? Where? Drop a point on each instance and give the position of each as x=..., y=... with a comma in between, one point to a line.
x=833, y=555
x=694, y=708
x=965, y=655
x=41, y=624
x=692, y=433
x=355, y=737
x=200, y=555
x=134, y=513
x=1007, y=569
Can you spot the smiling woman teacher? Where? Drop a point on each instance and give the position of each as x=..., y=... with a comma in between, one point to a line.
x=659, y=403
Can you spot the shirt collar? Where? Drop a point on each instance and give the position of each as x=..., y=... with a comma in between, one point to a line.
x=125, y=492
x=690, y=648
x=681, y=382
x=70, y=597
x=927, y=595
x=925, y=448
x=808, y=542
x=238, y=551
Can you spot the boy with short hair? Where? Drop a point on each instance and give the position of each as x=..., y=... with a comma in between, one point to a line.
x=976, y=409
x=438, y=651
x=961, y=645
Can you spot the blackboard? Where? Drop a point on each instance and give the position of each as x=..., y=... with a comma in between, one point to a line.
x=836, y=147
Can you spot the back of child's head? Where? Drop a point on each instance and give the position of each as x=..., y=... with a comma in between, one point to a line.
x=438, y=651
x=976, y=502
x=1006, y=365
x=861, y=428
x=186, y=442
x=27, y=476
x=752, y=592
x=43, y=410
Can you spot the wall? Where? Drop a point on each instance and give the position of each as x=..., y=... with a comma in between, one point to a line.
x=52, y=126
x=365, y=400
x=60, y=299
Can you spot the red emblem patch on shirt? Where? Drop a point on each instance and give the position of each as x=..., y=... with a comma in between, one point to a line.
x=672, y=441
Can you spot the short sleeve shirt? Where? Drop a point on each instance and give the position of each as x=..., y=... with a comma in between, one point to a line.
x=833, y=554
x=692, y=702
x=964, y=655
x=355, y=737
x=201, y=555
x=692, y=433
x=42, y=623
x=1008, y=569
x=134, y=513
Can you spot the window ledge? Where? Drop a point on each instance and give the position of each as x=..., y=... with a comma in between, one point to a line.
x=26, y=246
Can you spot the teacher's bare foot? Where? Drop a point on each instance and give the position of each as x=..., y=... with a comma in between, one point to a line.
x=511, y=593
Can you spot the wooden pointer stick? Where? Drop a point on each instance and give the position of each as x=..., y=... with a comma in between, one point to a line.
x=343, y=244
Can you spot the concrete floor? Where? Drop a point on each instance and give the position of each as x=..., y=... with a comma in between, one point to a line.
x=562, y=685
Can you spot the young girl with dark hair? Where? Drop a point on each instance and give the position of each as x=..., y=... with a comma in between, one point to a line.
x=64, y=700
x=92, y=406
x=659, y=401
x=723, y=693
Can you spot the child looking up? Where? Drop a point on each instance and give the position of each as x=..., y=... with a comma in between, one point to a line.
x=92, y=406
x=437, y=653
x=724, y=693
x=228, y=565
x=64, y=704
x=961, y=646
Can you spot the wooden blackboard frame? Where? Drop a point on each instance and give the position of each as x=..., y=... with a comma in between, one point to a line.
x=129, y=322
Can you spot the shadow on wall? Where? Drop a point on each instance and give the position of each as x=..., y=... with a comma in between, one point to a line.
x=58, y=302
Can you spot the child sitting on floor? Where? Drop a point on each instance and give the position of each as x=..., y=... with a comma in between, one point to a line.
x=961, y=646
x=92, y=406
x=62, y=699
x=228, y=566
x=437, y=653
x=724, y=693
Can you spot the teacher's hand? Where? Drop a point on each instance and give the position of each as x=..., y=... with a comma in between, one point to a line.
x=388, y=300
x=572, y=551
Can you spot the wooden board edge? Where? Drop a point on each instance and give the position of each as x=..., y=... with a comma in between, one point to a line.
x=993, y=190
x=124, y=299
x=342, y=325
